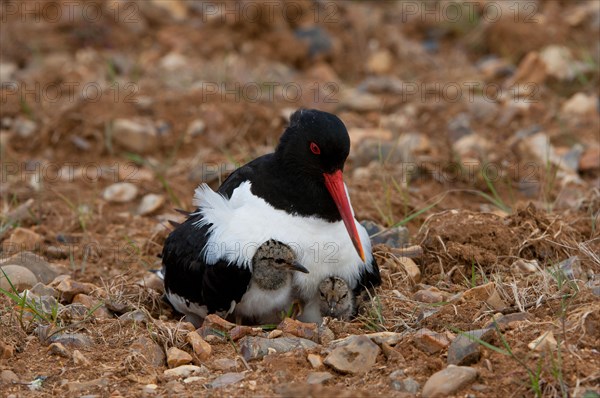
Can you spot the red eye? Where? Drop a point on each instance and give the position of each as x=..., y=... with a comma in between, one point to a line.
x=314, y=148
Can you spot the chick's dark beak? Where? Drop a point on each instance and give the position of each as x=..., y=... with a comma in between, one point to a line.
x=296, y=266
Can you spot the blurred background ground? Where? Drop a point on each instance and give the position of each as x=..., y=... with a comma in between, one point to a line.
x=475, y=125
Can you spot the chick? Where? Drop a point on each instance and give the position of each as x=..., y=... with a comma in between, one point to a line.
x=336, y=298
x=270, y=290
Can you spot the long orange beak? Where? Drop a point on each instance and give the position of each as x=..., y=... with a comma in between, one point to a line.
x=335, y=185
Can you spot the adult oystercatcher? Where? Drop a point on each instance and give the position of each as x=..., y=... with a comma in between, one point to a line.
x=270, y=287
x=336, y=299
x=295, y=195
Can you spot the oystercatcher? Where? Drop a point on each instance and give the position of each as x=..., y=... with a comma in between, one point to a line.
x=296, y=196
x=336, y=299
x=270, y=287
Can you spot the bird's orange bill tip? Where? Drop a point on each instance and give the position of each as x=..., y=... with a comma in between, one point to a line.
x=335, y=185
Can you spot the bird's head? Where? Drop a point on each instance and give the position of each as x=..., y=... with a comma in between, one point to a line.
x=333, y=293
x=276, y=256
x=315, y=146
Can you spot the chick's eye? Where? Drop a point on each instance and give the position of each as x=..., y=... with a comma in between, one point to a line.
x=314, y=148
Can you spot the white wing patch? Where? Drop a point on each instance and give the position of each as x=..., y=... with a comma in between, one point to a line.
x=242, y=223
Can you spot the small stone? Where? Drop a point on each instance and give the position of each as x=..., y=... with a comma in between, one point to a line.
x=149, y=389
x=326, y=335
x=136, y=316
x=196, y=128
x=472, y=146
x=25, y=128
x=408, y=385
x=59, y=349
x=482, y=108
x=545, y=341
x=315, y=360
x=391, y=353
x=150, y=203
x=193, y=379
x=300, y=329
x=201, y=348
x=69, y=288
x=43, y=270
x=448, y=381
x=80, y=359
x=357, y=356
x=487, y=293
x=215, y=322
x=359, y=101
x=120, y=192
x=257, y=347
x=590, y=159
x=8, y=376
x=273, y=334
x=318, y=377
x=465, y=350
x=177, y=357
x=380, y=62
x=152, y=281
x=389, y=338
x=393, y=237
x=224, y=364
x=428, y=296
x=571, y=268
x=72, y=340
x=411, y=268
x=21, y=239
x=430, y=341
x=559, y=62
x=317, y=38
x=176, y=9
x=7, y=70
x=99, y=310
x=19, y=277
x=149, y=350
x=6, y=350
x=539, y=146
x=185, y=371
x=136, y=136
x=241, y=330
x=39, y=289
x=509, y=321
x=581, y=104
x=226, y=379
x=526, y=266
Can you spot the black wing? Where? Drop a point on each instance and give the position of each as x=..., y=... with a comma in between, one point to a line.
x=186, y=274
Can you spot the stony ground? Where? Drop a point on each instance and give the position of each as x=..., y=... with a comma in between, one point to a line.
x=475, y=158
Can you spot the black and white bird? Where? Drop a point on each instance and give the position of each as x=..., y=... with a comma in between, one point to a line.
x=336, y=299
x=296, y=196
x=270, y=287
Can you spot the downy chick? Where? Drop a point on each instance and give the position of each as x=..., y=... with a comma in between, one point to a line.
x=270, y=291
x=336, y=298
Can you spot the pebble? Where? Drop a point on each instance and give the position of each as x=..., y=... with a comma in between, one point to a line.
x=201, y=348
x=526, y=266
x=136, y=136
x=39, y=289
x=273, y=334
x=21, y=239
x=389, y=338
x=448, y=381
x=150, y=203
x=465, y=350
x=240, y=331
x=559, y=62
x=393, y=237
x=539, y=146
x=357, y=356
x=571, y=268
x=380, y=62
x=25, y=128
x=20, y=277
x=80, y=359
x=382, y=84
x=581, y=104
x=8, y=376
x=6, y=350
x=428, y=296
x=487, y=293
x=152, y=281
x=590, y=159
x=459, y=126
x=411, y=268
x=430, y=341
x=177, y=357
x=300, y=329
x=7, y=70
x=545, y=341
x=257, y=347
x=315, y=360
x=135, y=316
x=318, y=377
x=59, y=349
x=72, y=340
x=408, y=385
x=43, y=270
x=120, y=192
x=226, y=379
x=472, y=146
x=150, y=350
x=317, y=38
x=359, y=101
x=185, y=371
x=224, y=364
x=196, y=128
x=213, y=321
x=69, y=288
x=99, y=310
